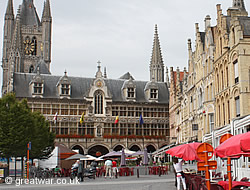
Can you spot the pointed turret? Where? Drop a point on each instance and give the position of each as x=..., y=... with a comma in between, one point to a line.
x=156, y=65
x=46, y=10
x=9, y=11
x=17, y=36
x=29, y=16
x=8, y=32
x=105, y=73
x=46, y=30
x=167, y=78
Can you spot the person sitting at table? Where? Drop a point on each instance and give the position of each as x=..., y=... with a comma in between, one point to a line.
x=179, y=173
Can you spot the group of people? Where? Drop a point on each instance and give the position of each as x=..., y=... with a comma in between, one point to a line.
x=111, y=168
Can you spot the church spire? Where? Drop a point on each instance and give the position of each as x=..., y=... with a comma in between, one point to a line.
x=156, y=65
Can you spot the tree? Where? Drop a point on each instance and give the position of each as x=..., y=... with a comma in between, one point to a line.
x=19, y=126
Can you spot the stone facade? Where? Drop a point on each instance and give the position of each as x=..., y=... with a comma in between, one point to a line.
x=216, y=91
x=26, y=71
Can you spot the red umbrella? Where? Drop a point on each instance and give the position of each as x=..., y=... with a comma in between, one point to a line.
x=245, y=142
x=234, y=146
x=185, y=151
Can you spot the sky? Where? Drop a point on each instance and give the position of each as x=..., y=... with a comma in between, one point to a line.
x=120, y=33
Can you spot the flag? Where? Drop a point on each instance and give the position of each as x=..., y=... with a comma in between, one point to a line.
x=116, y=119
x=82, y=118
x=141, y=120
x=55, y=118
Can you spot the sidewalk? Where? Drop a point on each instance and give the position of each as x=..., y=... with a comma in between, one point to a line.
x=144, y=182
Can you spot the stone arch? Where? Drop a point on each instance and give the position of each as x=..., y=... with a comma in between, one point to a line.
x=78, y=148
x=135, y=147
x=150, y=148
x=235, y=92
x=98, y=150
x=233, y=56
x=210, y=108
x=31, y=69
x=118, y=147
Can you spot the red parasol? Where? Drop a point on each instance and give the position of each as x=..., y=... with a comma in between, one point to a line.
x=235, y=147
x=185, y=151
x=245, y=142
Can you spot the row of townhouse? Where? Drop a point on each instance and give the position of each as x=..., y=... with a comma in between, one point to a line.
x=212, y=97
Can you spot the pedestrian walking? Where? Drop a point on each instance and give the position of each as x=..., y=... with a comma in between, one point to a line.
x=114, y=169
x=108, y=168
x=179, y=173
x=80, y=171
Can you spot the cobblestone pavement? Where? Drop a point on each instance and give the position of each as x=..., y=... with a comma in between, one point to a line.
x=144, y=182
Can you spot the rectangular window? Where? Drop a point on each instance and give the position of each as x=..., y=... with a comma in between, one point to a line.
x=153, y=93
x=191, y=104
x=237, y=106
x=236, y=72
x=211, y=122
x=131, y=92
x=38, y=88
x=65, y=89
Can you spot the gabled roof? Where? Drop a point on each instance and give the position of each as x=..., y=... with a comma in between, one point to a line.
x=43, y=69
x=80, y=87
x=126, y=76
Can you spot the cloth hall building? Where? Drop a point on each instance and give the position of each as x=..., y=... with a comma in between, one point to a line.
x=26, y=72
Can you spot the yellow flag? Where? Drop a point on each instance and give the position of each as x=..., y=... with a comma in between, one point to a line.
x=82, y=118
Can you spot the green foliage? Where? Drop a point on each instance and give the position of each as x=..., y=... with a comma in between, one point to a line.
x=19, y=126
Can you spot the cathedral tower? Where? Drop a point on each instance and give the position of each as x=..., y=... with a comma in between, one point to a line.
x=26, y=40
x=156, y=65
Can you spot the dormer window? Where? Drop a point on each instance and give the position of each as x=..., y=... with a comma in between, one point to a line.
x=153, y=94
x=65, y=89
x=151, y=91
x=38, y=88
x=64, y=86
x=129, y=89
x=131, y=92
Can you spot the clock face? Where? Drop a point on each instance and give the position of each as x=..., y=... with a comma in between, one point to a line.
x=29, y=47
x=99, y=84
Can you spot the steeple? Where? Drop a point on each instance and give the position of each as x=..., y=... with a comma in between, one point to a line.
x=156, y=65
x=9, y=11
x=46, y=10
